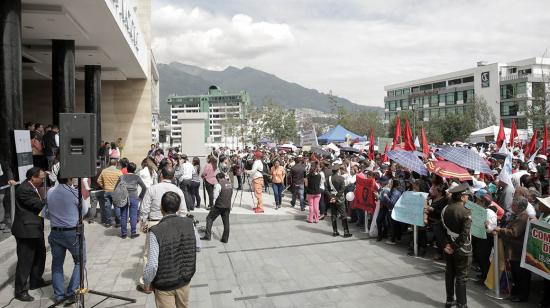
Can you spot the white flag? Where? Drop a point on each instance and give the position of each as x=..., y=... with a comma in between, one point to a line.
x=506, y=172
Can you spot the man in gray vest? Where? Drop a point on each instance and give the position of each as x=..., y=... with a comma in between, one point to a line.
x=173, y=247
x=222, y=206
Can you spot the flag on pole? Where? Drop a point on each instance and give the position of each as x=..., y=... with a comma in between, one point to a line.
x=545, y=140
x=513, y=133
x=506, y=172
x=425, y=145
x=371, y=145
x=532, y=146
x=408, y=138
x=501, y=136
x=397, y=133
x=385, y=157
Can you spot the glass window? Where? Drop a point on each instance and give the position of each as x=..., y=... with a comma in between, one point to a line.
x=459, y=96
x=509, y=108
x=450, y=111
x=460, y=110
x=441, y=98
x=521, y=123
x=441, y=84
x=397, y=92
x=450, y=99
x=469, y=94
x=426, y=100
x=521, y=88
x=455, y=81
x=404, y=104
x=426, y=87
x=433, y=101
x=468, y=79
x=386, y=105
x=392, y=105
x=406, y=91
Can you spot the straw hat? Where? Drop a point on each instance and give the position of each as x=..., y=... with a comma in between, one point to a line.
x=545, y=201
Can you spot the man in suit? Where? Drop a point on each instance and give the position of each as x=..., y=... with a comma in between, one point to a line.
x=28, y=230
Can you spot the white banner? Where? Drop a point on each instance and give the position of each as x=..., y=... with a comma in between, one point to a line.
x=308, y=137
x=23, y=150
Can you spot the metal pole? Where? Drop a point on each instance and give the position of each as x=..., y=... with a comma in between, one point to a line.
x=366, y=223
x=12, y=202
x=415, y=244
x=496, y=267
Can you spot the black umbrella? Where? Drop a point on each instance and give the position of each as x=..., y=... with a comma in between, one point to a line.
x=320, y=152
x=350, y=150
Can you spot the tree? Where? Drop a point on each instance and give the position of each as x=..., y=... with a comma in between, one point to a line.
x=478, y=111
x=537, y=108
x=280, y=124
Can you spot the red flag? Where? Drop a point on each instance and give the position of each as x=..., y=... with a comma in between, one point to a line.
x=544, y=141
x=385, y=157
x=532, y=146
x=371, y=145
x=397, y=133
x=501, y=136
x=425, y=145
x=408, y=138
x=513, y=133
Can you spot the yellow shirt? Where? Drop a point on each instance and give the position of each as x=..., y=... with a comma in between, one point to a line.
x=108, y=178
x=278, y=175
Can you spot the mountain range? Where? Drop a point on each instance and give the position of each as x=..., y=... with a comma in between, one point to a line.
x=183, y=79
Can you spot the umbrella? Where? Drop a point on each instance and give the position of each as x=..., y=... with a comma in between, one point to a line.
x=501, y=156
x=320, y=152
x=289, y=146
x=408, y=160
x=350, y=150
x=466, y=158
x=448, y=169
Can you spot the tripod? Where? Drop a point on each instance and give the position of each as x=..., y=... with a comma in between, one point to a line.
x=247, y=179
x=80, y=235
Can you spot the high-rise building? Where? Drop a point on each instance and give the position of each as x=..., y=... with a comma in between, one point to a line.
x=509, y=88
x=79, y=56
x=226, y=112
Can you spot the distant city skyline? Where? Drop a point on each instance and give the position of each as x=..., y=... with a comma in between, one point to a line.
x=353, y=48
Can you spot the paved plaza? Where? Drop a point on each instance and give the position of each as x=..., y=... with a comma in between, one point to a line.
x=272, y=260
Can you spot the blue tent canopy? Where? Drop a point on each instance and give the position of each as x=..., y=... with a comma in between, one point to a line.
x=338, y=134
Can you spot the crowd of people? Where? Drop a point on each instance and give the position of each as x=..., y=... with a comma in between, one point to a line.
x=323, y=183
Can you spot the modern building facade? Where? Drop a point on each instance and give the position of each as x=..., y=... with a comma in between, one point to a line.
x=508, y=89
x=79, y=56
x=226, y=112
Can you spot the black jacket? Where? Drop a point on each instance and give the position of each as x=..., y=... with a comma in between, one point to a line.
x=50, y=147
x=177, y=252
x=28, y=204
x=7, y=174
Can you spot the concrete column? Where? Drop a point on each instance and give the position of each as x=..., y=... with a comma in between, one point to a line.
x=92, y=95
x=63, y=77
x=11, y=103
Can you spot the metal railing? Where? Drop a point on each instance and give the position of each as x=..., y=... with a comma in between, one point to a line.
x=8, y=191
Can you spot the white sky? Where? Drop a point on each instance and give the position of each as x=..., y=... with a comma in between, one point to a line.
x=352, y=47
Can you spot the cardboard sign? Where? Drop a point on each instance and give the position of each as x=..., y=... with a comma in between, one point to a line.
x=409, y=208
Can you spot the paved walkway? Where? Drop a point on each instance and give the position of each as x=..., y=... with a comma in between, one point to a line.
x=272, y=260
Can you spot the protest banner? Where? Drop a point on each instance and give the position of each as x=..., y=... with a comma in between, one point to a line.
x=479, y=216
x=23, y=150
x=308, y=137
x=409, y=208
x=535, y=256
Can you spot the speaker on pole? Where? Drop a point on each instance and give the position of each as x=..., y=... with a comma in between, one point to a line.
x=77, y=145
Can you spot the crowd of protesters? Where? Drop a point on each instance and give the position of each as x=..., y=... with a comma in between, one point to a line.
x=320, y=182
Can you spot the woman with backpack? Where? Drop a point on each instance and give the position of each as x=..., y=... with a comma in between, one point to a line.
x=130, y=183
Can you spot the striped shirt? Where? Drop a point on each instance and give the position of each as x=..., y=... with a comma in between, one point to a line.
x=108, y=178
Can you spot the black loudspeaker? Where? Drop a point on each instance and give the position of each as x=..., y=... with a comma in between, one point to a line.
x=77, y=145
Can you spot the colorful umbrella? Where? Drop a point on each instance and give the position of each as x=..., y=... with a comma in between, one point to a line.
x=466, y=158
x=448, y=169
x=408, y=160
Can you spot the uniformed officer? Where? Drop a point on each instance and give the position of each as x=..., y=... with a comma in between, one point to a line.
x=222, y=206
x=458, y=247
x=337, y=186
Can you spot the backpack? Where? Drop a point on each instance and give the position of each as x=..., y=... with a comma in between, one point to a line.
x=120, y=194
x=115, y=153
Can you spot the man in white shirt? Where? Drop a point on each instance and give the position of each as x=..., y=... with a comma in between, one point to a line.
x=257, y=180
x=185, y=181
x=151, y=214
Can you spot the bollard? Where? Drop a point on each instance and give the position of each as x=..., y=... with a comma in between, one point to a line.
x=415, y=243
x=366, y=223
x=12, y=202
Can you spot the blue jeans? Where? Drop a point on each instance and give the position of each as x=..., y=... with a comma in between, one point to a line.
x=60, y=242
x=132, y=208
x=108, y=209
x=299, y=191
x=278, y=193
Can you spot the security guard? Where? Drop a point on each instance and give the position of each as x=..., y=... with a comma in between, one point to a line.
x=457, y=221
x=336, y=187
x=222, y=206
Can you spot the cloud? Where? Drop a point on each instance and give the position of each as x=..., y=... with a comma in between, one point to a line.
x=353, y=47
x=199, y=37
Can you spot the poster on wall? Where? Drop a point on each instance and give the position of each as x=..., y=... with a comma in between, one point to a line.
x=23, y=150
x=485, y=82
